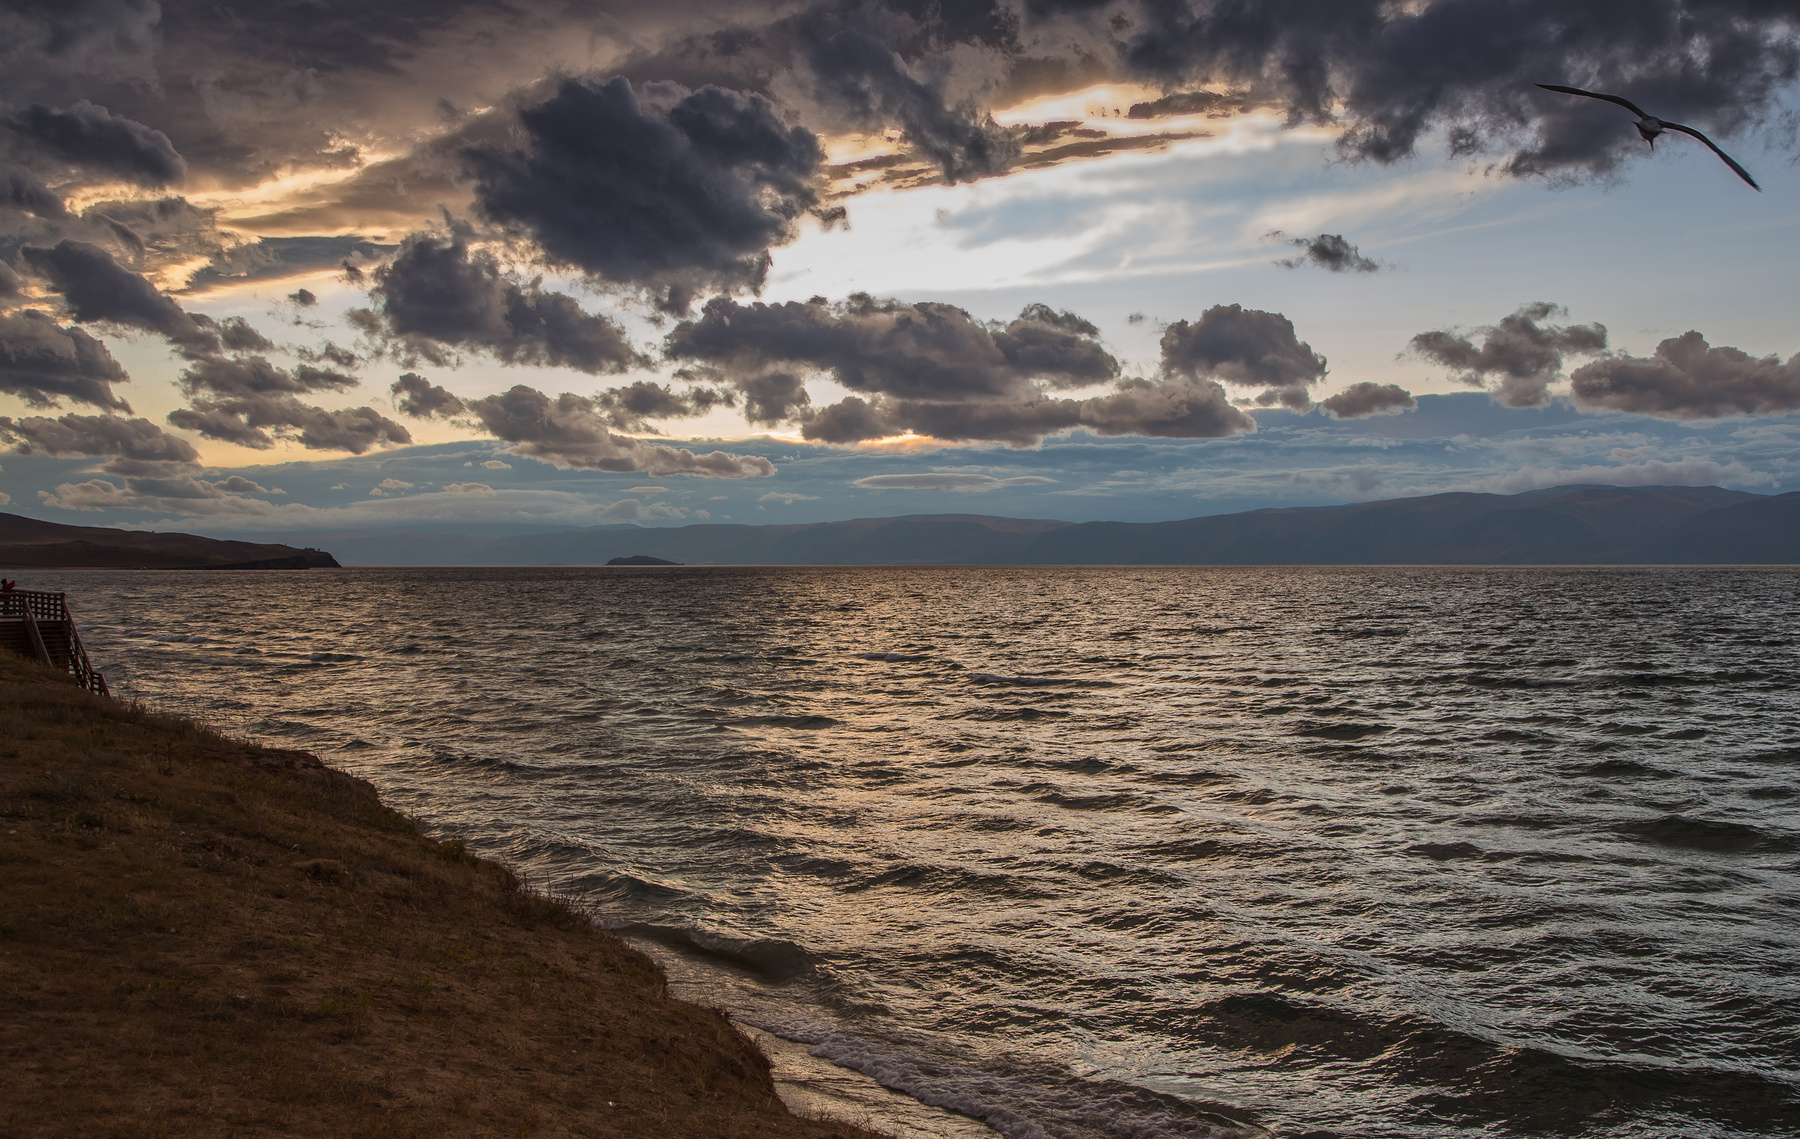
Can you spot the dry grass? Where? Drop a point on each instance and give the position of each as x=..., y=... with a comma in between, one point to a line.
x=203, y=937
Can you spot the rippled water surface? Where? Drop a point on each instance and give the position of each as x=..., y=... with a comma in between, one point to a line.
x=1138, y=852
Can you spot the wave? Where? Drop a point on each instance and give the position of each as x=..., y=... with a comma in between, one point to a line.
x=1707, y=835
x=1025, y=1104
x=770, y=958
x=998, y=678
x=802, y=723
x=1445, y=851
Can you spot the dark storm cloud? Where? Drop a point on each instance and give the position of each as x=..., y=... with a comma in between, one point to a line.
x=1368, y=398
x=250, y=401
x=919, y=350
x=43, y=362
x=659, y=188
x=1327, y=251
x=574, y=431
x=419, y=398
x=1247, y=348
x=1523, y=351
x=1686, y=378
x=279, y=87
x=1393, y=73
x=23, y=190
x=92, y=138
x=12, y=286
x=46, y=39
x=435, y=293
x=862, y=79
x=133, y=446
x=95, y=287
x=926, y=71
x=98, y=288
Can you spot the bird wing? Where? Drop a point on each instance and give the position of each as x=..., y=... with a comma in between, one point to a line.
x=1714, y=147
x=1620, y=100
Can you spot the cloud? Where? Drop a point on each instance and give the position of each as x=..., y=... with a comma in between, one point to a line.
x=238, y=484
x=1367, y=398
x=963, y=482
x=436, y=293
x=868, y=84
x=42, y=362
x=786, y=498
x=1327, y=251
x=98, y=288
x=932, y=369
x=23, y=190
x=1245, y=348
x=1524, y=351
x=179, y=494
x=1392, y=74
x=629, y=408
x=250, y=401
x=1694, y=470
x=418, y=397
x=663, y=188
x=93, y=138
x=1189, y=103
x=226, y=503
x=305, y=298
x=921, y=350
x=1172, y=407
x=1686, y=378
x=574, y=431
x=132, y=446
x=500, y=465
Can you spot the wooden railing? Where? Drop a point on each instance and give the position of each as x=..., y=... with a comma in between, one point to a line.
x=50, y=633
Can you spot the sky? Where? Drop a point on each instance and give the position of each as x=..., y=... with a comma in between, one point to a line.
x=482, y=266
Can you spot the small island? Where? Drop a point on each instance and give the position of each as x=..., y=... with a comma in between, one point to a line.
x=642, y=560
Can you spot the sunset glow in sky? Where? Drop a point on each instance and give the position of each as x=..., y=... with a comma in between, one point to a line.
x=464, y=264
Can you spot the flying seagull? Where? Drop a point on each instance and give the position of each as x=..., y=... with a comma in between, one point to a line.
x=1650, y=126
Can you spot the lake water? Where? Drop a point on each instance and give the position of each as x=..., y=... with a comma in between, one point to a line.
x=1123, y=852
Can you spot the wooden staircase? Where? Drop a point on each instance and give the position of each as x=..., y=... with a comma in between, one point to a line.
x=39, y=625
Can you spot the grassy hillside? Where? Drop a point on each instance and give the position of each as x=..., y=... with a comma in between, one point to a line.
x=202, y=937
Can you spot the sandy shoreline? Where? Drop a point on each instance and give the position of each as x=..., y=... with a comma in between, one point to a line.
x=201, y=936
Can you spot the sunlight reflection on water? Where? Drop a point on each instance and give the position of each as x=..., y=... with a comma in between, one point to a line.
x=1374, y=852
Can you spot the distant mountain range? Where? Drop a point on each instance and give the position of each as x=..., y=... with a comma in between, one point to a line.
x=1570, y=525
x=26, y=543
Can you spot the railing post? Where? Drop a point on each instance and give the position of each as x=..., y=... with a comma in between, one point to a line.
x=36, y=638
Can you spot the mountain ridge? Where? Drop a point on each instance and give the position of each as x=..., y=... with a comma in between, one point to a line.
x=1567, y=525
x=31, y=543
